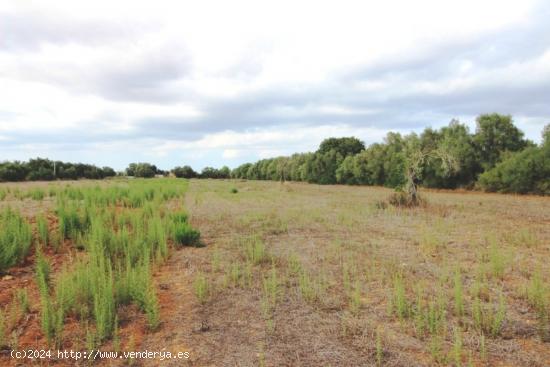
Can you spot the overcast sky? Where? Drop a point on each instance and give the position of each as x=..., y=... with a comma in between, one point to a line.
x=214, y=83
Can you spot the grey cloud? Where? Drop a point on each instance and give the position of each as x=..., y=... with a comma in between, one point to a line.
x=159, y=76
x=27, y=31
x=147, y=79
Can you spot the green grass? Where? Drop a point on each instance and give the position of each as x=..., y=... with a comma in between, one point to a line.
x=123, y=230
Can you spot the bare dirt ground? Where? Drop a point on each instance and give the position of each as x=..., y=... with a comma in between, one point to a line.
x=324, y=292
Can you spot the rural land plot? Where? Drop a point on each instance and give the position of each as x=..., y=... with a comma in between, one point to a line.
x=299, y=274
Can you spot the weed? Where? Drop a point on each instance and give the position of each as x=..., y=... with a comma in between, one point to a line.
x=42, y=227
x=36, y=194
x=255, y=251
x=216, y=259
x=457, y=347
x=270, y=293
x=497, y=260
x=429, y=241
x=234, y=273
x=482, y=348
x=488, y=319
x=355, y=301
x=524, y=238
x=400, y=303
x=379, y=348
x=202, y=288
x=436, y=349
x=185, y=235
x=400, y=199
x=458, y=294
x=15, y=238
x=22, y=297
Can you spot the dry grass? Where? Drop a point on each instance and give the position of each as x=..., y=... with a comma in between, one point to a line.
x=341, y=281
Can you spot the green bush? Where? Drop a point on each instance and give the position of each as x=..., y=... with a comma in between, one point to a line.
x=525, y=172
x=184, y=235
x=15, y=238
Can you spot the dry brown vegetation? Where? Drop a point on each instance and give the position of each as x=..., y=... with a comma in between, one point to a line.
x=304, y=275
x=297, y=274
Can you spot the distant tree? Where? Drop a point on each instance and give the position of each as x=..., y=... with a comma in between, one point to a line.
x=241, y=171
x=417, y=157
x=145, y=170
x=449, y=157
x=546, y=135
x=343, y=146
x=224, y=172
x=209, y=172
x=184, y=172
x=43, y=169
x=296, y=166
x=13, y=171
x=394, y=160
x=496, y=134
x=131, y=169
x=458, y=142
x=321, y=167
x=523, y=172
x=108, y=172
x=365, y=168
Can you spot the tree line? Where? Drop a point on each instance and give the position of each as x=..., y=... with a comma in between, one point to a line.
x=496, y=157
x=40, y=169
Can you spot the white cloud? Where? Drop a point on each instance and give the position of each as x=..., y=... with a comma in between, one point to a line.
x=231, y=153
x=217, y=80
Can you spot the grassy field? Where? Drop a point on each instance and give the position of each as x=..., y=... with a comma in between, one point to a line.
x=292, y=274
x=79, y=259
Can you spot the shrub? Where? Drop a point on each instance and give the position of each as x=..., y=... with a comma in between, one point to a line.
x=184, y=235
x=15, y=238
x=255, y=251
x=400, y=199
x=234, y=190
x=523, y=172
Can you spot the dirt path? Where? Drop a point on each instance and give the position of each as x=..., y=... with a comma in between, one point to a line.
x=179, y=310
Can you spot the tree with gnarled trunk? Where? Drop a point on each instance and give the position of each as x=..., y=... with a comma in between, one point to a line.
x=415, y=162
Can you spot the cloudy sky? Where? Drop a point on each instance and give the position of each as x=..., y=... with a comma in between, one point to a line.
x=224, y=82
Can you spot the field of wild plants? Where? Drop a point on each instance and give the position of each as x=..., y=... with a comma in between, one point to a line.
x=296, y=274
x=288, y=274
x=77, y=262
